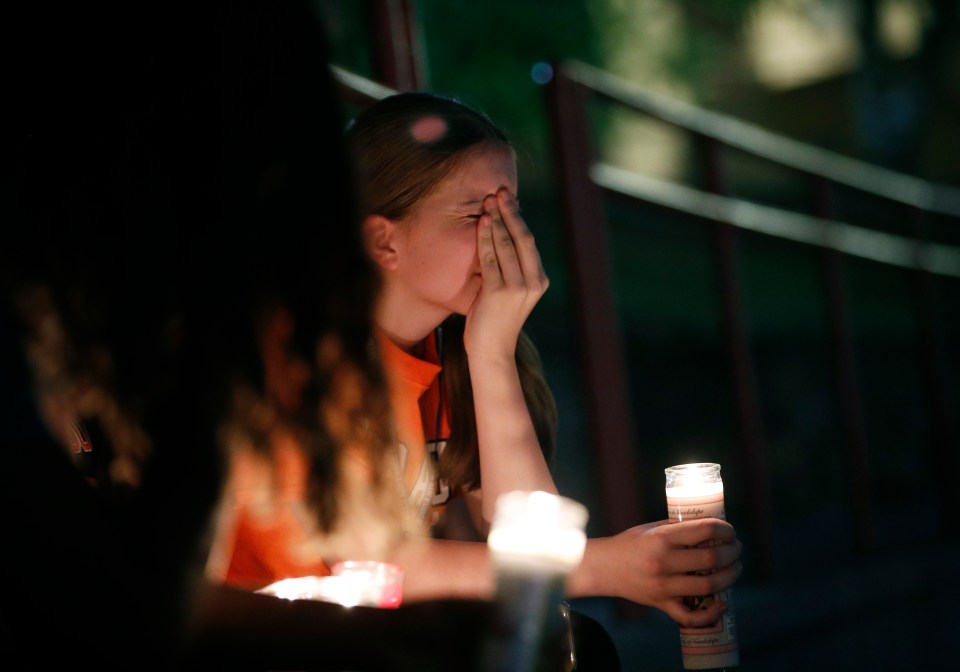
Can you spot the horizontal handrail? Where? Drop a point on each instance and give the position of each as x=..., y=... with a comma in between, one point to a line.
x=889, y=184
x=366, y=88
x=853, y=240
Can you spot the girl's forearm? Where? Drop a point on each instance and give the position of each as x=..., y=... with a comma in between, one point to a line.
x=510, y=454
x=437, y=568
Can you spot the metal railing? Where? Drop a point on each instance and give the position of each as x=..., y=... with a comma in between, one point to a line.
x=583, y=180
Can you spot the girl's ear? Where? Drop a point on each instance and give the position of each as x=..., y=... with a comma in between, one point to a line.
x=379, y=235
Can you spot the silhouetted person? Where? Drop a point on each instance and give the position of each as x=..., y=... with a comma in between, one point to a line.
x=171, y=172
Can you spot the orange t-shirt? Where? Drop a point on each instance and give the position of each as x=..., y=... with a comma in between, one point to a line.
x=420, y=421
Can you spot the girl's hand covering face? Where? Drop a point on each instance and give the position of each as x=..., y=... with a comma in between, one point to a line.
x=513, y=277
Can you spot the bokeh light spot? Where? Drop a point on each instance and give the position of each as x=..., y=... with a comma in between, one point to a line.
x=428, y=129
x=541, y=72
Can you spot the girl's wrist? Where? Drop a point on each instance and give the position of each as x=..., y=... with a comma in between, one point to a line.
x=491, y=356
x=588, y=578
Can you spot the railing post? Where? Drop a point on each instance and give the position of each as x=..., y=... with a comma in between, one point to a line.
x=942, y=442
x=752, y=452
x=852, y=420
x=397, y=55
x=600, y=344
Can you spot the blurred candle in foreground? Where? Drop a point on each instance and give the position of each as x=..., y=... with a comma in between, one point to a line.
x=536, y=540
x=352, y=583
x=380, y=583
x=343, y=591
x=696, y=491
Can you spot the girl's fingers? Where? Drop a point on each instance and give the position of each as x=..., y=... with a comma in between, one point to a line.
x=489, y=265
x=697, y=531
x=503, y=244
x=522, y=238
x=507, y=251
x=700, y=618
